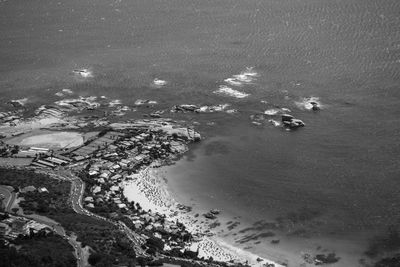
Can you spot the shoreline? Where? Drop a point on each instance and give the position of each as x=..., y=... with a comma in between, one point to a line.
x=149, y=190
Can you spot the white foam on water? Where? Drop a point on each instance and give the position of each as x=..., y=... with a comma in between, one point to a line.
x=140, y=102
x=245, y=77
x=125, y=108
x=305, y=103
x=272, y=111
x=275, y=123
x=225, y=90
x=221, y=107
x=114, y=103
x=159, y=83
x=78, y=103
x=21, y=101
x=84, y=73
x=90, y=98
x=64, y=92
x=67, y=91
x=233, y=81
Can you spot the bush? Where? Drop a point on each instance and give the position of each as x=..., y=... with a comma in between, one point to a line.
x=156, y=243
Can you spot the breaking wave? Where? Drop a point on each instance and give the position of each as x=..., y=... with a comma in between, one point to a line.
x=245, y=77
x=114, y=103
x=159, y=83
x=225, y=90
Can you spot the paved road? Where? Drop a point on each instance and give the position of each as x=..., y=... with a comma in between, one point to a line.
x=9, y=197
x=76, y=195
x=58, y=229
x=77, y=191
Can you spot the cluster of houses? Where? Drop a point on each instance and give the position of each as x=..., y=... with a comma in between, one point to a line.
x=115, y=156
x=12, y=226
x=50, y=160
x=119, y=159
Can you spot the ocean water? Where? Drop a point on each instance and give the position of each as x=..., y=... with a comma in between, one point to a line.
x=332, y=186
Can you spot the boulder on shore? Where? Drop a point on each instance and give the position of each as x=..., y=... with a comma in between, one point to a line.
x=287, y=118
x=291, y=122
x=315, y=106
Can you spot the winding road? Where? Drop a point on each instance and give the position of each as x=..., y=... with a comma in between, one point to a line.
x=77, y=191
x=76, y=195
x=9, y=198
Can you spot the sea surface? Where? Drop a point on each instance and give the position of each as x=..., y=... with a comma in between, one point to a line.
x=330, y=187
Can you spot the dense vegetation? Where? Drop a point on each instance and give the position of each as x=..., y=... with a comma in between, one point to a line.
x=37, y=250
x=22, y=178
x=108, y=244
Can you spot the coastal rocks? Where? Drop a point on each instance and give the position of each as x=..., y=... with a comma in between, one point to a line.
x=49, y=111
x=276, y=111
x=315, y=106
x=202, y=109
x=216, y=108
x=17, y=103
x=260, y=119
x=114, y=103
x=141, y=102
x=291, y=122
x=184, y=208
x=185, y=107
x=215, y=211
x=295, y=123
x=79, y=104
x=212, y=214
x=178, y=132
x=11, y=118
x=309, y=103
x=156, y=114
x=320, y=259
x=274, y=122
x=83, y=73
x=209, y=215
x=257, y=117
x=287, y=120
x=272, y=111
x=64, y=92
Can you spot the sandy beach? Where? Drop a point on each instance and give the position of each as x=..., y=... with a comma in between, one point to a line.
x=151, y=191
